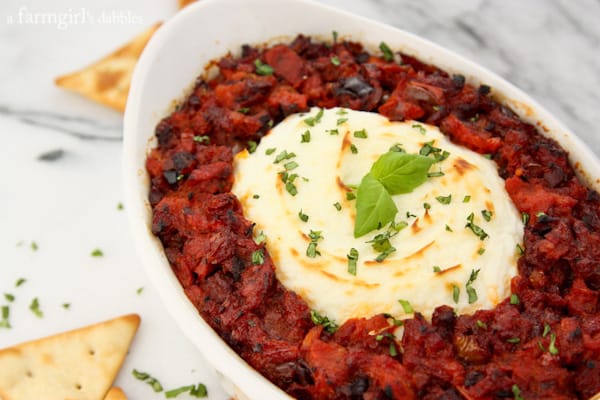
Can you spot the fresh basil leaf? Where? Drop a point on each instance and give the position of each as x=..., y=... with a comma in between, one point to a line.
x=374, y=206
x=401, y=172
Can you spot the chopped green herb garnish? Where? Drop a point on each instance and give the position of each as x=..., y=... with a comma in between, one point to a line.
x=393, y=351
x=305, y=137
x=444, y=199
x=514, y=340
x=20, y=281
x=97, y=253
x=546, y=330
x=262, y=69
x=350, y=196
x=291, y=188
x=341, y=121
x=291, y=165
x=270, y=151
x=352, y=260
x=520, y=249
x=541, y=214
x=312, y=121
x=120, y=206
x=524, y=218
x=337, y=205
x=66, y=306
x=261, y=237
x=256, y=196
x=397, y=147
x=251, y=146
x=35, y=308
x=448, y=228
x=361, y=134
x=514, y=299
x=427, y=206
x=517, y=392
x=333, y=131
x=341, y=111
x=406, y=306
x=258, y=257
x=455, y=293
x=438, y=154
x=481, y=324
x=435, y=174
x=481, y=250
x=139, y=290
x=384, y=254
x=335, y=61
x=471, y=293
x=302, y=216
x=353, y=149
x=466, y=199
x=335, y=36
x=317, y=319
x=421, y=129
x=9, y=297
x=34, y=246
x=244, y=110
x=487, y=215
x=388, y=55
x=284, y=155
x=436, y=269
x=202, y=139
x=311, y=250
x=476, y=229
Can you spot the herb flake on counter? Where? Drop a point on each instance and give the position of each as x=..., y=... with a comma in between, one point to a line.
x=145, y=377
x=35, y=308
x=4, y=322
x=20, y=282
x=97, y=253
x=66, y=306
x=139, y=290
x=120, y=206
x=34, y=246
x=198, y=391
x=9, y=297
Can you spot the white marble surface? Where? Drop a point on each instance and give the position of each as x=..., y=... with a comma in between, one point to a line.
x=68, y=206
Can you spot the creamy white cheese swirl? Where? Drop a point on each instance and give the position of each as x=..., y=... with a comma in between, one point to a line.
x=438, y=253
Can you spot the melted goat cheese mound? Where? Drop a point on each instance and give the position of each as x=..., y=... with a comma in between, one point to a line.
x=436, y=253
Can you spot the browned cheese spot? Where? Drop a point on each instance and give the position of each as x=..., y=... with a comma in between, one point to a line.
x=462, y=166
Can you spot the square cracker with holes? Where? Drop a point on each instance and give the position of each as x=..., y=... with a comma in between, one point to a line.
x=79, y=364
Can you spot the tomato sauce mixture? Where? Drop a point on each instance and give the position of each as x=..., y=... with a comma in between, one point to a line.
x=541, y=343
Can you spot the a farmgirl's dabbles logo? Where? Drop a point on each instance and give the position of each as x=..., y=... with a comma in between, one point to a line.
x=73, y=16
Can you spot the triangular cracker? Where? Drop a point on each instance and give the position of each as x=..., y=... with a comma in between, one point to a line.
x=115, y=393
x=80, y=364
x=107, y=81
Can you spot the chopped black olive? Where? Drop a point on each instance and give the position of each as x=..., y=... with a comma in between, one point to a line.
x=354, y=86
